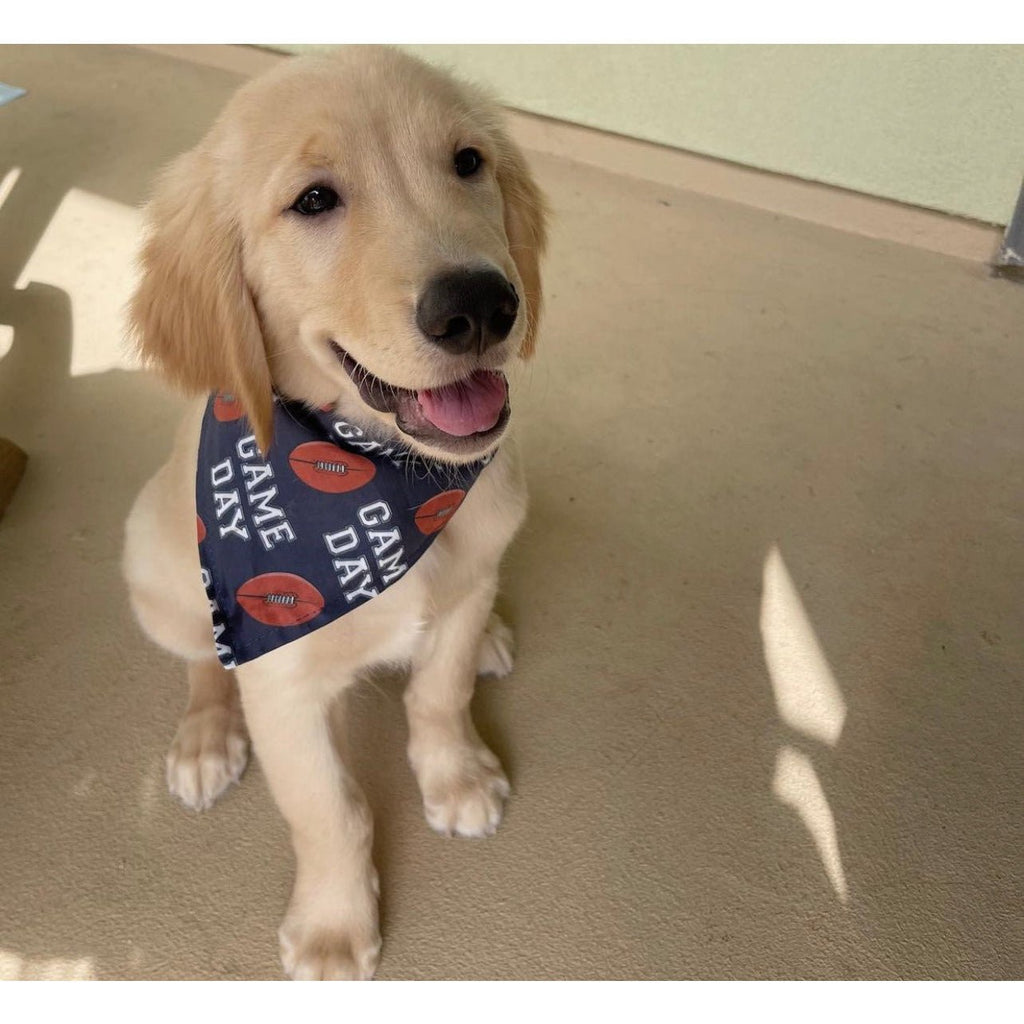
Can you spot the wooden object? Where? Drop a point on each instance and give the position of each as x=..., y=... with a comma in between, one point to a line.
x=12, y=466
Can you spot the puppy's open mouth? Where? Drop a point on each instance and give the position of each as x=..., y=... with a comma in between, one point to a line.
x=460, y=417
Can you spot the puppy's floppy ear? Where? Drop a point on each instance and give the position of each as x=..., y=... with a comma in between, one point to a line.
x=526, y=213
x=192, y=314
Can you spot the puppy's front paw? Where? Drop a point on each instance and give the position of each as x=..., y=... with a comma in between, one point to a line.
x=497, y=649
x=209, y=752
x=464, y=790
x=316, y=948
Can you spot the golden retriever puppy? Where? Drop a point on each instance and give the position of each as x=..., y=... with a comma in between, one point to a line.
x=343, y=267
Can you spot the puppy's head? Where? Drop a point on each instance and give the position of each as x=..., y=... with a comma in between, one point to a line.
x=359, y=231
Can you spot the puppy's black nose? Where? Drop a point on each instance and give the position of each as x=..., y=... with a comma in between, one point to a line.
x=462, y=310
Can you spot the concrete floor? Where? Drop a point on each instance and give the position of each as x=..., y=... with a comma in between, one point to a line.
x=767, y=716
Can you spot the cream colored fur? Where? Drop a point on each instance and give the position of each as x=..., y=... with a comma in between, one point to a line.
x=239, y=294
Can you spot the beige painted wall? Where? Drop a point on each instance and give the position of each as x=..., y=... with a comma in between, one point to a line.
x=936, y=126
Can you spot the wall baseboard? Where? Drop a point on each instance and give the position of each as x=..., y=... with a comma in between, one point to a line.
x=810, y=201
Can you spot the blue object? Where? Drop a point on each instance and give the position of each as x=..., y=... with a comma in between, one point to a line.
x=9, y=92
x=326, y=523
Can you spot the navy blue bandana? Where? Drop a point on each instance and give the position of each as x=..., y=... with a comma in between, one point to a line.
x=324, y=525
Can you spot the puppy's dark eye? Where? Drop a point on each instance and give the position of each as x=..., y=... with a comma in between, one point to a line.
x=318, y=199
x=468, y=162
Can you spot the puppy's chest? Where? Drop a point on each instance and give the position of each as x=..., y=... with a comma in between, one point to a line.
x=464, y=556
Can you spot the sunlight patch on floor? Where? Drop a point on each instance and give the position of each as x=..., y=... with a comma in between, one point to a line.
x=6, y=185
x=809, y=701
x=88, y=251
x=8, y=182
x=797, y=785
x=18, y=968
x=807, y=695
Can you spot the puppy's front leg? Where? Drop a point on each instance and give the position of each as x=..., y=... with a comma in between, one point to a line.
x=330, y=930
x=461, y=781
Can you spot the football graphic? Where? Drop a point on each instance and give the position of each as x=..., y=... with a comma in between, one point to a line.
x=432, y=515
x=227, y=408
x=200, y=529
x=280, y=599
x=331, y=469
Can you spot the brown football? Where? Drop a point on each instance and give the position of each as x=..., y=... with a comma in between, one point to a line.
x=227, y=409
x=436, y=512
x=280, y=599
x=328, y=468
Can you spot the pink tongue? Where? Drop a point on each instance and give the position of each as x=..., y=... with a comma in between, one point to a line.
x=470, y=406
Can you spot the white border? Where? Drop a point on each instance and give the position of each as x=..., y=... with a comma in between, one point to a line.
x=500, y=1002
x=524, y=21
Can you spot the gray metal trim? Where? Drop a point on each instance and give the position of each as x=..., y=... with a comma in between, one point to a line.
x=1011, y=253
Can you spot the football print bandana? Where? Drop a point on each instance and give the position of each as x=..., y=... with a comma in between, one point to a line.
x=325, y=524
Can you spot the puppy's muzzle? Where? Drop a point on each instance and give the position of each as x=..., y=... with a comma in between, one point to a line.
x=467, y=310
